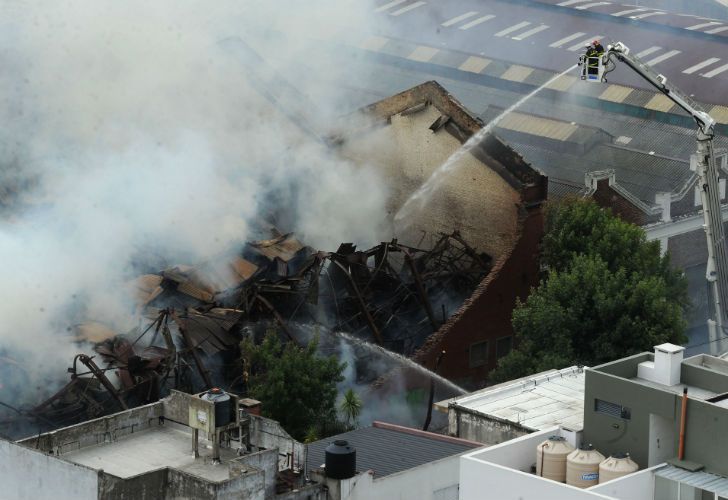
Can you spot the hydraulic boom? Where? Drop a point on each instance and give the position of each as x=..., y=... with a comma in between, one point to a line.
x=594, y=68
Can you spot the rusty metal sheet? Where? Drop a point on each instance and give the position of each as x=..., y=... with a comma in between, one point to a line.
x=284, y=247
x=93, y=331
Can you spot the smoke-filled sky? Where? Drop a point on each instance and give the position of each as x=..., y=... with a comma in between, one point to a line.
x=131, y=129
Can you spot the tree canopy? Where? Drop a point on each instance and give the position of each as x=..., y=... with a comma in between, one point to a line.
x=608, y=293
x=296, y=386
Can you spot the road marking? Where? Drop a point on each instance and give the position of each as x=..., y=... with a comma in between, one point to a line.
x=717, y=30
x=660, y=58
x=703, y=25
x=423, y=53
x=571, y=2
x=647, y=52
x=476, y=22
x=517, y=73
x=408, y=8
x=459, y=18
x=630, y=11
x=615, y=93
x=374, y=43
x=513, y=28
x=389, y=5
x=566, y=40
x=660, y=102
x=707, y=62
x=590, y=5
x=716, y=71
x=474, y=64
x=531, y=32
x=649, y=14
x=584, y=43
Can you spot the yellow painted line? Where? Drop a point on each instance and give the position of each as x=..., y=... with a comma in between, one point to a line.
x=615, y=93
x=660, y=103
x=563, y=83
x=474, y=64
x=720, y=113
x=535, y=125
x=423, y=53
x=373, y=43
x=517, y=73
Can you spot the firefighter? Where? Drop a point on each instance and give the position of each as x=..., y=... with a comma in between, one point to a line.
x=593, y=52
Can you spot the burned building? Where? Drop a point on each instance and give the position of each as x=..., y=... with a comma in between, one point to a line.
x=493, y=198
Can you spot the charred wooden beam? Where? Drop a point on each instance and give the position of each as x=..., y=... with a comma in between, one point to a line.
x=101, y=376
x=362, y=304
x=421, y=293
x=182, y=326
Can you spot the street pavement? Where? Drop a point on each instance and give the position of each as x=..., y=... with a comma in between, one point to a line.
x=691, y=52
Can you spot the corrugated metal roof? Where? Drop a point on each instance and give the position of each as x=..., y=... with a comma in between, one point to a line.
x=553, y=398
x=703, y=480
x=386, y=451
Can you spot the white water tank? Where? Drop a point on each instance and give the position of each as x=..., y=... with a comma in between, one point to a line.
x=615, y=466
x=551, y=458
x=582, y=467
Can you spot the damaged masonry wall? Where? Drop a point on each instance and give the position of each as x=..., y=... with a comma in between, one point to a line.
x=494, y=199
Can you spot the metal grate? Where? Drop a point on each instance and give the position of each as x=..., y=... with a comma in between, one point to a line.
x=611, y=409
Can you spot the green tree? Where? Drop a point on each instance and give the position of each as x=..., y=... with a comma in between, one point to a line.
x=350, y=406
x=609, y=293
x=296, y=386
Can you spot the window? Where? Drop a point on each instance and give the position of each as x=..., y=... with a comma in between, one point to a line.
x=503, y=346
x=478, y=354
x=612, y=409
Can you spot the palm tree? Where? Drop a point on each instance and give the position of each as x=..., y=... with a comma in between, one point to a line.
x=350, y=406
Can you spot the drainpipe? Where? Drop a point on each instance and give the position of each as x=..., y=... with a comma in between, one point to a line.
x=681, y=449
x=431, y=400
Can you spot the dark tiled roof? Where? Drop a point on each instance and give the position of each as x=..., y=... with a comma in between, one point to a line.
x=558, y=189
x=387, y=451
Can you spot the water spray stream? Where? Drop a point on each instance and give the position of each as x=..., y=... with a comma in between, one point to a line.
x=419, y=198
x=403, y=360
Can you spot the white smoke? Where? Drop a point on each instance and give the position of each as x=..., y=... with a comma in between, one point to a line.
x=128, y=128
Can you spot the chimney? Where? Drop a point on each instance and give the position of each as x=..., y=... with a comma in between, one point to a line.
x=665, y=369
x=251, y=406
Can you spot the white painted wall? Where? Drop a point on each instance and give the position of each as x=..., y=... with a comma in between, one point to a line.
x=637, y=486
x=479, y=480
x=432, y=481
x=32, y=475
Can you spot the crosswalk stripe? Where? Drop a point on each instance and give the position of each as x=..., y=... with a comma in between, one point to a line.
x=716, y=71
x=649, y=14
x=459, y=18
x=717, y=30
x=389, y=5
x=625, y=12
x=476, y=22
x=647, y=52
x=474, y=64
x=513, y=28
x=593, y=4
x=707, y=62
x=582, y=44
x=407, y=8
x=570, y=2
x=566, y=40
x=703, y=25
x=660, y=58
x=531, y=32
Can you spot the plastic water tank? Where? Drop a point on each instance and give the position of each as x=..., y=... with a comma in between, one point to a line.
x=222, y=403
x=617, y=465
x=340, y=460
x=551, y=458
x=582, y=467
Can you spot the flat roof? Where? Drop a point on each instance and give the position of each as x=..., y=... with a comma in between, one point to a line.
x=387, y=449
x=548, y=399
x=155, y=448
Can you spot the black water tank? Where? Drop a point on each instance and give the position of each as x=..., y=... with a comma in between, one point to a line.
x=221, y=400
x=340, y=460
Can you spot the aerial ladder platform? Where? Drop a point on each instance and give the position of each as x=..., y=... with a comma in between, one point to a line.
x=594, y=68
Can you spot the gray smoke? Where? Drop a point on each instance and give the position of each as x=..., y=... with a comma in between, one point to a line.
x=130, y=130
